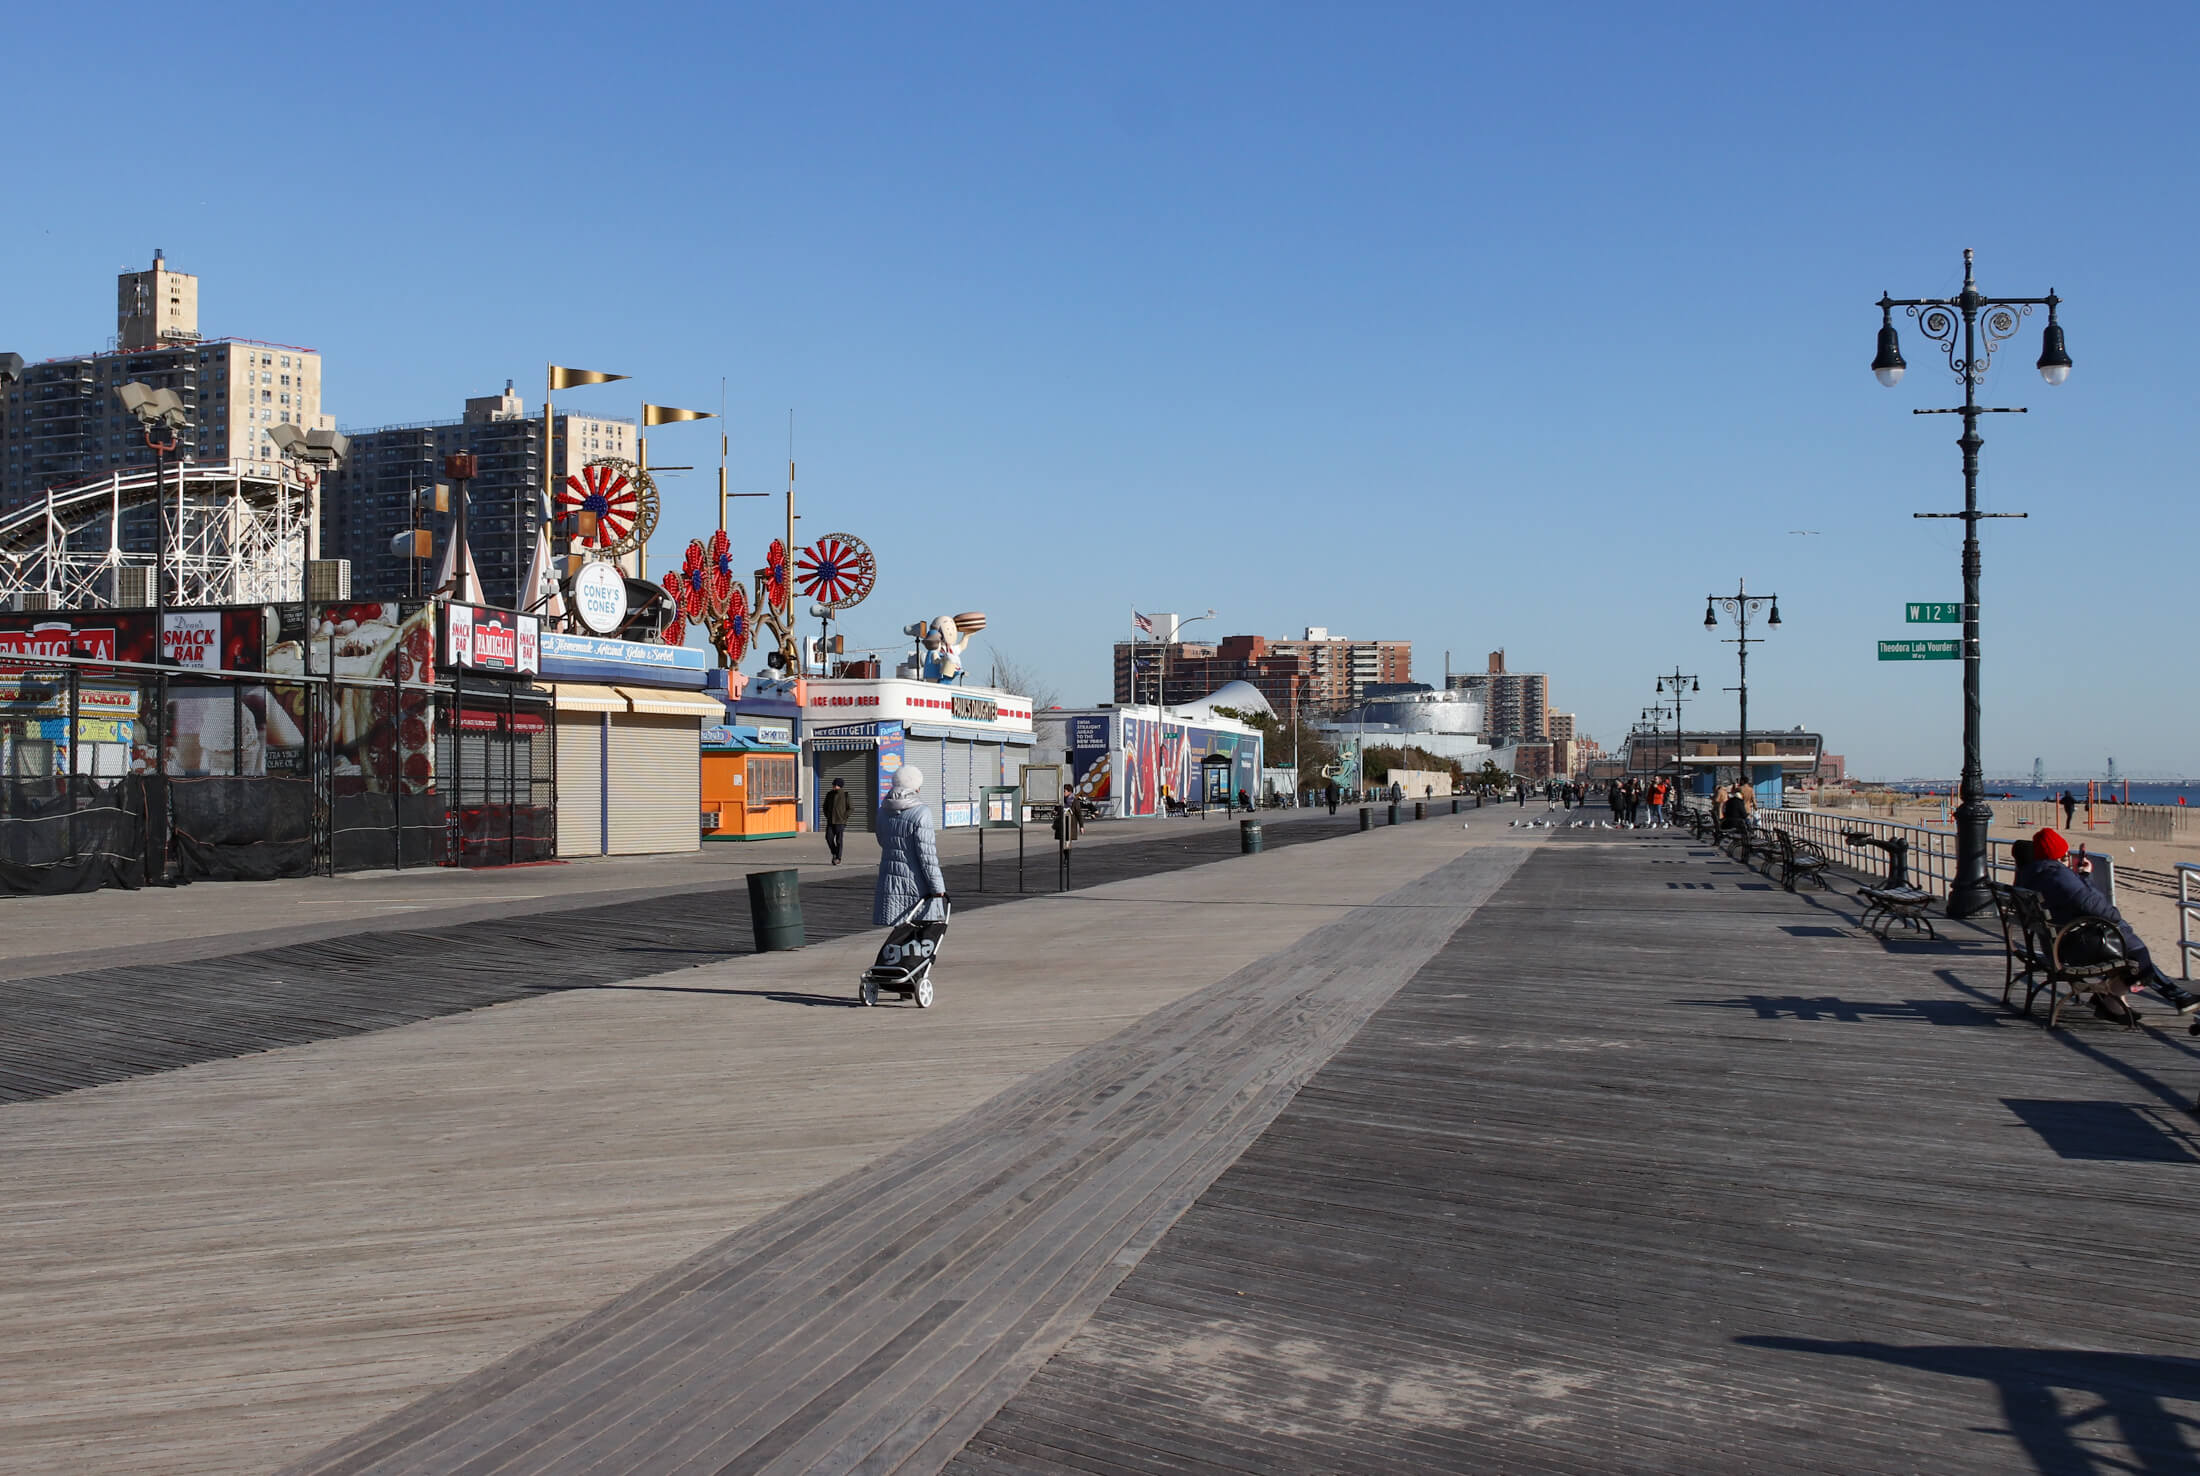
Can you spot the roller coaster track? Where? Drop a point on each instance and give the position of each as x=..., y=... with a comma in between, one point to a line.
x=237, y=534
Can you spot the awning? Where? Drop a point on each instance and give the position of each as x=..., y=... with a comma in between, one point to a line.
x=580, y=697
x=665, y=702
x=969, y=735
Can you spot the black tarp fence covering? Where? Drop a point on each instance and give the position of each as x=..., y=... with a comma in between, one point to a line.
x=241, y=829
x=71, y=834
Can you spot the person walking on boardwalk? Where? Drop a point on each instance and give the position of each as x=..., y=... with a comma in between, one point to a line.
x=909, y=857
x=2069, y=803
x=838, y=802
x=1329, y=792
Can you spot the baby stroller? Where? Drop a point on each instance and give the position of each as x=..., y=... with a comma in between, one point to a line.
x=904, y=964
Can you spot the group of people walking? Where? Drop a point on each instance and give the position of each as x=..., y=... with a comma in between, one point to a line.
x=1633, y=802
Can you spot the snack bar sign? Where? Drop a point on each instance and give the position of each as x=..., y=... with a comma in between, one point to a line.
x=491, y=642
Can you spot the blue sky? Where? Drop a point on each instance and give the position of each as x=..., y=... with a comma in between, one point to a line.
x=1478, y=327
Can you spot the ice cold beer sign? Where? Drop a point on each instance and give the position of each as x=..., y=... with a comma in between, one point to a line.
x=491, y=642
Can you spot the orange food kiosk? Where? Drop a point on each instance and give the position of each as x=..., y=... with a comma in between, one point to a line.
x=749, y=786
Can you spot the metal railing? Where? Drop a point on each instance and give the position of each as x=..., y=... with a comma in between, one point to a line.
x=2188, y=908
x=1932, y=853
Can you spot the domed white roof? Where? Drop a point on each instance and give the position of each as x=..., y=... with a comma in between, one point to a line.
x=1243, y=696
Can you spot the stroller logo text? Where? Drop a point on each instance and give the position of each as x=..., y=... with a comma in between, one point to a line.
x=915, y=948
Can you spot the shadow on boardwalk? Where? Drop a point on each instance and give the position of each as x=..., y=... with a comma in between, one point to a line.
x=2084, y=1414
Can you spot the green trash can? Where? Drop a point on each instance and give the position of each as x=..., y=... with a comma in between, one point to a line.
x=1393, y=819
x=1249, y=841
x=775, y=909
x=1420, y=809
x=1367, y=820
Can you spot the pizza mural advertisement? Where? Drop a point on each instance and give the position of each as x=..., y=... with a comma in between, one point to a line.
x=383, y=739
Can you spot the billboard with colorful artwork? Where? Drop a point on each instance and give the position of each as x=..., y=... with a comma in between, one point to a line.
x=1130, y=765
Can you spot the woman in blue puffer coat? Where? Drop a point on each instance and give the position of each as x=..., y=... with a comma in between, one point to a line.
x=909, y=860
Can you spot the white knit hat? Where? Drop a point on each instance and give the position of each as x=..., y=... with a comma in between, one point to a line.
x=908, y=779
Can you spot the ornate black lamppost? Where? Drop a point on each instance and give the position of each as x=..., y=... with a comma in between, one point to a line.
x=1968, y=328
x=1679, y=683
x=1743, y=606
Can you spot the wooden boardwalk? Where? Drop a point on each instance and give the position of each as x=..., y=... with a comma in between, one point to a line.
x=1544, y=1154
x=226, y=1267
x=67, y=1031
x=1657, y=1168
x=876, y=1324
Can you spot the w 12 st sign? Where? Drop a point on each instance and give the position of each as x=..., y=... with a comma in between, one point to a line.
x=1934, y=612
x=1920, y=650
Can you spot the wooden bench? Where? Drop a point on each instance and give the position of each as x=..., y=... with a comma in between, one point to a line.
x=2080, y=958
x=1800, y=861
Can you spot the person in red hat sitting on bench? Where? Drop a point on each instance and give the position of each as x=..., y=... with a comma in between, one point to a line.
x=2070, y=896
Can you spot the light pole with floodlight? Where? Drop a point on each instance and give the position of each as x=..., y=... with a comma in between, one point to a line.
x=160, y=412
x=323, y=451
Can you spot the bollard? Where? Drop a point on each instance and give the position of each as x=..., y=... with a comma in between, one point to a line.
x=1420, y=810
x=1455, y=807
x=1393, y=813
x=1249, y=839
x=1367, y=818
x=775, y=909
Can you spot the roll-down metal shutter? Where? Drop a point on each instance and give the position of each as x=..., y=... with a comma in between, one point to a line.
x=580, y=755
x=655, y=767
x=955, y=788
x=853, y=768
x=925, y=754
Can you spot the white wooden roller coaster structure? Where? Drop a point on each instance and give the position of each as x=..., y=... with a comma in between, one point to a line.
x=237, y=534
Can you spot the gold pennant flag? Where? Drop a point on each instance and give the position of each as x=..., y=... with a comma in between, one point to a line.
x=563, y=378
x=667, y=414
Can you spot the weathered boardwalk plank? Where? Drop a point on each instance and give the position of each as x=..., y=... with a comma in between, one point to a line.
x=1647, y=1172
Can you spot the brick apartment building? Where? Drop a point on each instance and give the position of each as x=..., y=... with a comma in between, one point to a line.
x=1317, y=673
x=1515, y=704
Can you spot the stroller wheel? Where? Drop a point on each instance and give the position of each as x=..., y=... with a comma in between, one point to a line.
x=867, y=992
x=924, y=992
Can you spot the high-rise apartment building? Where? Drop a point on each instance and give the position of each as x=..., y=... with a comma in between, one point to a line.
x=63, y=425
x=1516, y=704
x=1316, y=674
x=370, y=499
x=1561, y=726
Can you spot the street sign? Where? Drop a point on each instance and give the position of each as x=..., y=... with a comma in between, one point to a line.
x=1920, y=650
x=1929, y=612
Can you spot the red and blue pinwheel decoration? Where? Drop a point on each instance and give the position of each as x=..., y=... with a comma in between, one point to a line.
x=623, y=498
x=704, y=591
x=837, y=571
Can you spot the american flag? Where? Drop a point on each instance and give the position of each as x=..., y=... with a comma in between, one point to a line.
x=1142, y=622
